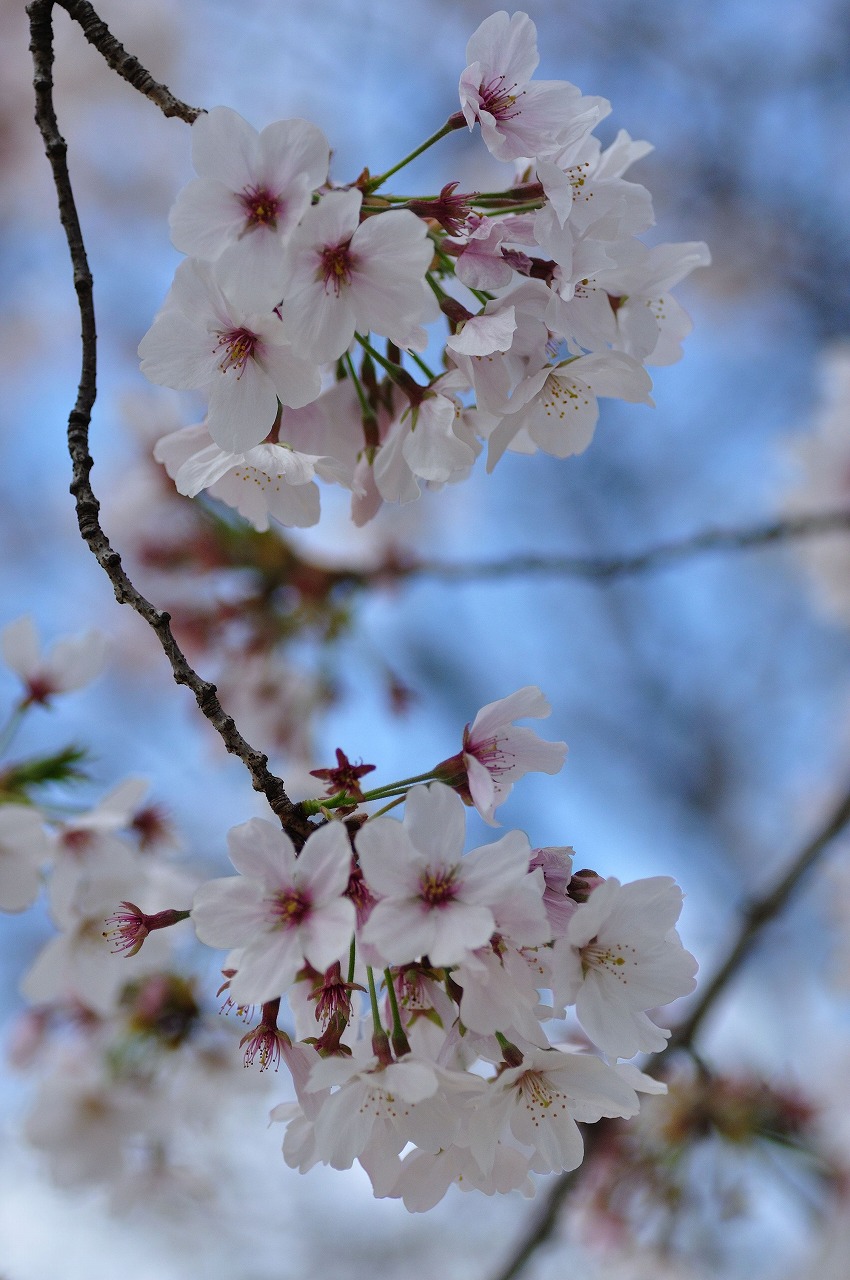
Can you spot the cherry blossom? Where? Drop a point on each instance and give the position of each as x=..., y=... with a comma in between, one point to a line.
x=25, y=847
x=433, y=900
x=269, y=480
x=517, y=117
x=252, y=190
x=209, y=337
x=496, y=753
x=70, y=664
x=346, y=275
x=620, y=956
x=281, y=910
x=539, y=1102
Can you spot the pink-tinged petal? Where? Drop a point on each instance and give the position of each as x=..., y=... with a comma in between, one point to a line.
x=568, y=972
x=562, y=419
x=298, y=381
x=319, y=322
x=177, y=447
x=494, y=870
x=591, y=915
x=343, y=1128
x=435, y=821
x=650, y=907
x=458, y=929
x=326, y=934
x=526, y=702
x=20, y=881
x=615, y=1028
x=243, y=408
x=225, y=147
x=228, y=912
x=597, y=1089
x=292, y=151
x=324, y=864
x=202, y=469
x=612, y=373
x=206, y=217
x=530, y=754
x=390, y=862
x=399, y=930
x=505, y=46
x=176, y=352
x=267, y=967
x=257, y=494
x=413, y=1081
x=261, y=851
x=484, y=334
x=482, y=788
x=20, y=646
x=257, y=263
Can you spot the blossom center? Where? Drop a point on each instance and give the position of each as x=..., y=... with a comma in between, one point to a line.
x=613, y=958
x=289, y=908
x=438, y=887
x=500, y=99
x=335, y=268
x=261, y=207
x=536, y=1089
x=491, y=754
x=237, y=347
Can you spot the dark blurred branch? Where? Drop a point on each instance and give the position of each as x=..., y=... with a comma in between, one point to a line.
x=608, y=568
x=41, y=47
x=755, y=917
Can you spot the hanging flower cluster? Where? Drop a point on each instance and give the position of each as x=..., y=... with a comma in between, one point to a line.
x=294, y=284
x=417, y=975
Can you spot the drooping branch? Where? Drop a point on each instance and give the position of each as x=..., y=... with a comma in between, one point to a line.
x=754, y=919
x=41, y=46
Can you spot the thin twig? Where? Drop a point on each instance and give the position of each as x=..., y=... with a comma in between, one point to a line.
x=755, y=918
x=608, y=568
x=129, y=68
x=41, y=46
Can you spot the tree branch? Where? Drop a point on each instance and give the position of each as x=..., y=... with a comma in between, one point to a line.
x=755, y=918
x=41, y=47
x=609, y=568
x=129, y=68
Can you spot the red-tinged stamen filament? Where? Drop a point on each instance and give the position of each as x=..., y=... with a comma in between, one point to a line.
x=261, y=207
x=238, y=346
x=335, y=270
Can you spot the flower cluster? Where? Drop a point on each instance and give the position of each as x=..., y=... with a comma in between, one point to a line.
x=446, y=1073
x=291, y=280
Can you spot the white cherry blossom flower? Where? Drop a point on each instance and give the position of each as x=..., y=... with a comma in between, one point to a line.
x=281, y=910
x=434, y=901
x=620, y=956
x=24, y=849
x=346, y=275
x=518, y=117
x=210, y=337
x=270, y=480
x=539, y=1102
x=561, y=410
x=70, y=664
x=252, y=190
x=496, y=753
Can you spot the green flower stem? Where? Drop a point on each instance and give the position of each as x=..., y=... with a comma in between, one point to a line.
x=366, y=409
x=392, y=804
x=352, y=955
x=449, y=127
x=400, y=1042
x=344, y=798
x=527, y=206
x=373, y=1000
x=414, y=390
x=417, y=359
x=10, y=728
